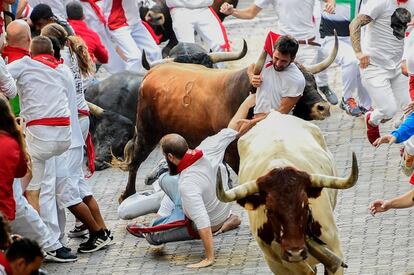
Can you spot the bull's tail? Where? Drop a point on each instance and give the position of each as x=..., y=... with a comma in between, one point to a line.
x=129, y=149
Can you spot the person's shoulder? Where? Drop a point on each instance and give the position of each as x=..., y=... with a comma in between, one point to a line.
x=293, y=75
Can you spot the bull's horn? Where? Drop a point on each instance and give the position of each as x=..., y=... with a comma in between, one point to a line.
x=337, y=182
x=260, y=63
x=319, y=67
x=148, y=65
x=236, y=193
x=95, y=109
x=228, y=56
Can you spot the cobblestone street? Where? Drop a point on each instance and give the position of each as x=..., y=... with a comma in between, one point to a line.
x=371, y=245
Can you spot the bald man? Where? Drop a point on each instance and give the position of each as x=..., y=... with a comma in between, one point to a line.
x=28, y=223
x=194, y=193
x=17, y=46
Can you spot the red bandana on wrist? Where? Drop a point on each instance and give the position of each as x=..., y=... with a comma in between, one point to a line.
x=48, y=60
x=189, y=158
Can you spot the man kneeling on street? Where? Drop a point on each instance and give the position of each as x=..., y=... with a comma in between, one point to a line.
x=191, y=209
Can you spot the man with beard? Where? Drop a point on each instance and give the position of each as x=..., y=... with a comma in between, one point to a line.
x=191, y=209
x=281, y=83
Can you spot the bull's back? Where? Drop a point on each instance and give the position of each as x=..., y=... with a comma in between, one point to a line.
x=185, y=99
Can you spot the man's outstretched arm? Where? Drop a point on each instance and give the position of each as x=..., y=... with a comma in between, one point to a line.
x=246, y=13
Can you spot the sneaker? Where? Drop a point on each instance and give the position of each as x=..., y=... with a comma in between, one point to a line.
x=68, y=249
x=61, y=255
x=96, y=241
x=350, y=107
x=133, y=229
x=109, y=234
x=329, y=94
x=158, y=170
x=78, y=232
x=365, y=110
x=407, y=163
x=372, y=131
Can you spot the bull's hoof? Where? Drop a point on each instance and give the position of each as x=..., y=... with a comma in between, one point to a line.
x=121, y=198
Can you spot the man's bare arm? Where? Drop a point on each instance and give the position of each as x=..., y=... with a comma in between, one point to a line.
x=355, y=33
x=246, y=13
x=206, y=237
x=287, y=104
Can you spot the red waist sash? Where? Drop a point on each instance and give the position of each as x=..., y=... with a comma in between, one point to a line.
x=50, y=121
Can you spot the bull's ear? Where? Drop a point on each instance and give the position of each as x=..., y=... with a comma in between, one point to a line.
x=252, y=202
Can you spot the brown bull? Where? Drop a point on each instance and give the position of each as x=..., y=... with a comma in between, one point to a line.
x=197, y=102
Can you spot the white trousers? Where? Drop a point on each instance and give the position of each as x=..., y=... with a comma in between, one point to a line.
x=131, y=40
x=49, y=211
x=203, y=21
x=139, y=204
x=388, y=90
x=40, y=151
x=351, y=77
x=29, y=224
x=308, y=55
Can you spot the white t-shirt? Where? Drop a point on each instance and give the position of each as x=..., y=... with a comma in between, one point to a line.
x=384, y=49
x=197, y=183
x=122, y=13
x=42, y=94
x=276, y=85
x=295, y=16
x=409, y=52
x=67, y=79
x=193, y=4
x=7, y=84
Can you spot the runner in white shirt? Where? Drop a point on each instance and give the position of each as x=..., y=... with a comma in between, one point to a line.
x=130, y=34
x=197, y=15
x=380, y=60
x=48, y=131
x=344, y=13
x=72, y=191
x=194, y=195
x=295, y=19
x=96, y=20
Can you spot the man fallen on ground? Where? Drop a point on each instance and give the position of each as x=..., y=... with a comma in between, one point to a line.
x=193, y=194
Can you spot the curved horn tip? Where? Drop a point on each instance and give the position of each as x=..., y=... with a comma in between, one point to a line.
x=144, y=61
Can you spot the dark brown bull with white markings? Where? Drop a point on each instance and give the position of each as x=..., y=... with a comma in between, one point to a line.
x=196, y=102
x=288, y=183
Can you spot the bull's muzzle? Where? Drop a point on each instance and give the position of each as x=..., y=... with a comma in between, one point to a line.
x=294, y=256
x=320, y=111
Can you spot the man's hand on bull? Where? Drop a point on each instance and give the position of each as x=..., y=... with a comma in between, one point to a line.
x=364, y=60
x=227, y=8
x=390, y=139
x=204, y=263
x=255, y=80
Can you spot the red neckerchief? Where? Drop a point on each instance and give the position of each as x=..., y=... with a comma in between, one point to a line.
x=5, y=263
x=48, y=60
x=11, y=53
x=189, y=158
x=97, y=10
x=401, y=2
x=270, y=42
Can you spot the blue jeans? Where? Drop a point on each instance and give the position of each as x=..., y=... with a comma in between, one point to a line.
x=169, y=184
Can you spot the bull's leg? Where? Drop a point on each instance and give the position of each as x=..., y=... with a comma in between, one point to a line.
x=137, y=154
